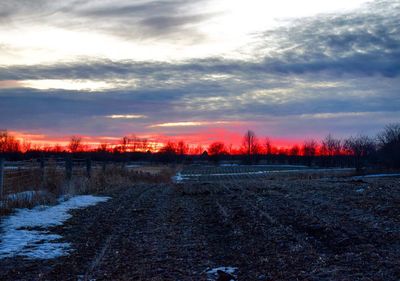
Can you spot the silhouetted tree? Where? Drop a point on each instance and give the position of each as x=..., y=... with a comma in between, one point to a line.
x=168, y=152
x=295, y=150
x=268, y=146
x=75, y=144
x=8, y=143
x=389, y=145
x=124, y=144
x=26, y=146
x=309, y=150
x=103, y=148
x=294, y=153
x=268, y=149
x=216, y=150
x=144, y=145
x=197, y=150
x=57, y=148
x=182, y=148
x=250, y=146
x=360, y=148
x=330, y=148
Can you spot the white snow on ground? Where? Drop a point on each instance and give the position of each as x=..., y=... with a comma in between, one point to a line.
x=11, y=168
x=25, y=195
x=133, y=166
x=179, y=177
x=26, y=232
x=376, y=176
x=213, y=274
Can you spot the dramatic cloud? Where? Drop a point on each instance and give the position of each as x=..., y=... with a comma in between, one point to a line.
x=363, y=43
x=309, y=75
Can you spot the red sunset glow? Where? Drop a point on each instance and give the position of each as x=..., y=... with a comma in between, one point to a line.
x=231, y=139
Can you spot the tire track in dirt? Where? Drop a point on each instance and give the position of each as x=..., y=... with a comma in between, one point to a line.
x=357, y=240
x=128, y=202
x=264, y=242
x=269, y=230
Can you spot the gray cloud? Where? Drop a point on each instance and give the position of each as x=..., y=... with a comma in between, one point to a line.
x=362, y=43
x=152, y=19
x=334, y=64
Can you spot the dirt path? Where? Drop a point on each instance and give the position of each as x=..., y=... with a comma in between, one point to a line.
x=291, y=230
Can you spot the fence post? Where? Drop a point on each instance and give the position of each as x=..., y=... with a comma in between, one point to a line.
x=1, y=176
x=42, y=171
x=68, y=169
x=104, y=166
x=88, y=168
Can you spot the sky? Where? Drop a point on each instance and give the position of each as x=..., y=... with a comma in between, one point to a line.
x=200, y=70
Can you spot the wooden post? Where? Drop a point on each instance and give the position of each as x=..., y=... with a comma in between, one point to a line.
x=1, y=176
x=68, y=169
x=104, y=167
x=88, y=168
x=42, y=171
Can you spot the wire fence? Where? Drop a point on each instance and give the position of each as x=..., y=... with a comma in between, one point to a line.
x=36, y=174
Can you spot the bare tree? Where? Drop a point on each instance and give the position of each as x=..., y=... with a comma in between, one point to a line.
x=168, y=152
x=389, y=145
x=197, y=150
x=216, y=150
x=26, y=145
x=103, y=147
x=331, y=146
x=8, y=143
x=144, y=145
x=135, y=143
x=250, y=146
x=359, y=147
x=169, y=147
x=295, y=150
x=182, y=148
x=57, y=148
x=268, y=146
x=75, y=144
x=124, y=144
x=309, y=150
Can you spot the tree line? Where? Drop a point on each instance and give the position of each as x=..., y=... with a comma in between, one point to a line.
x=357, y=151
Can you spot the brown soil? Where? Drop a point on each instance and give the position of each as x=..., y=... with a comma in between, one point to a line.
x=319, y=229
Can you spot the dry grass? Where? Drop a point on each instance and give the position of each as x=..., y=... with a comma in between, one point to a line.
x=46, y=189
x=26, y=200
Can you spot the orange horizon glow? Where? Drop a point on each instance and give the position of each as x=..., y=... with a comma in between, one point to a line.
x=232, y=140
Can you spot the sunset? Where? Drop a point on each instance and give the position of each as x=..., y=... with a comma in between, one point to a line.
x=209, y=140
x=287, y=70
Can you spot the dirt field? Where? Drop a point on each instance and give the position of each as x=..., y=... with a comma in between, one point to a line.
x=319, y=229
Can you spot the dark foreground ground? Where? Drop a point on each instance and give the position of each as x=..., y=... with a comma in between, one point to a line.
x=323, y=229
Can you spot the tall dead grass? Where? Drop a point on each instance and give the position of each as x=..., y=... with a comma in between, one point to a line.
x=36, y=190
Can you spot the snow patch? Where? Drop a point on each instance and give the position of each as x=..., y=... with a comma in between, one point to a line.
x=179, y=178
x=133, y=166
x=376, y=176
x=26, y=232
x=25, y=195
x=215, y=273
